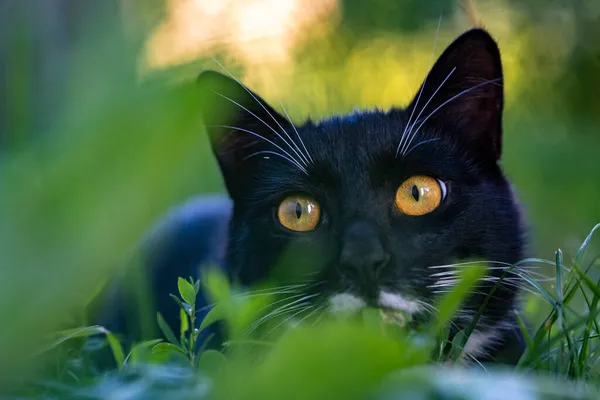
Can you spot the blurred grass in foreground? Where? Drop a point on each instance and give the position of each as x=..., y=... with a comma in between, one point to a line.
x=344, y=357
x=76, y=199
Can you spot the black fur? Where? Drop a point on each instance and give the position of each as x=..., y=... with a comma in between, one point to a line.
x=362, y=243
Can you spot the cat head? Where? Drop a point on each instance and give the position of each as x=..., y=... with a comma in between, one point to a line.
x=372, y=208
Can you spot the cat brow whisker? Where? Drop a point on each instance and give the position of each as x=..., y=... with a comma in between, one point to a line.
x=264, y=108
x=410, y=134
x=297, y=133
x=289, y=156
x=437, y=31
x=420, y=143
x=493, y=81
x=275, y=154
x=267, y=125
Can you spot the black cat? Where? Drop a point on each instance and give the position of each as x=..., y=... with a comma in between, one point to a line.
x=376, y=208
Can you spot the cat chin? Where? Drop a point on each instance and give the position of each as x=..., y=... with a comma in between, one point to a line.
x=347, y=303
x=396, y=301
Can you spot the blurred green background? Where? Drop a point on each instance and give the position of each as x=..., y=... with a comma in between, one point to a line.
x=99, y=129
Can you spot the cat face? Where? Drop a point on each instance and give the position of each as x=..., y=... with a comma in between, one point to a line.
x=372, y=208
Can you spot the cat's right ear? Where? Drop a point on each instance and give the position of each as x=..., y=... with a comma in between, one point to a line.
x=463, y=93
x=239, y=124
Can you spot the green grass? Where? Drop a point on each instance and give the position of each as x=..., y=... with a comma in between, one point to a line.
x=339, y=358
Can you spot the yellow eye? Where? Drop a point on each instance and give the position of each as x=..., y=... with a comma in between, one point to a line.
x=419, y=195
x=299, y=213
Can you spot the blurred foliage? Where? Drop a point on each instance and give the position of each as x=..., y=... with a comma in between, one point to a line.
x=89, y=163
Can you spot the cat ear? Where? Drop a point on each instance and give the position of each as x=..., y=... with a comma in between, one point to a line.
x=463, y=93
x=240, y=125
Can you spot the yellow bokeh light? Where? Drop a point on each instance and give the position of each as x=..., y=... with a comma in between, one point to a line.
x=256, y=31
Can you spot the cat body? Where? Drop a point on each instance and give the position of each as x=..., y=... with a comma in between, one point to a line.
x=372, y=209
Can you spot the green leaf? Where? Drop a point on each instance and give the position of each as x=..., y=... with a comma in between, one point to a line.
x=184, y=324
x=585, y=244
x=217, y=313
x=166, y=329
x=138, y=349
x=69, y=334
x=452, y=301
x=186, y=291
x=458, y=345
x=116, y=348
x=167, y=348
x=372, y=318
x=179, y=303
x=524, y=330
x=212, y=362
x=217, y=284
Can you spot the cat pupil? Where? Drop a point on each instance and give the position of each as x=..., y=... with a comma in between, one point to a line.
x=415, y=193
x=298, y=210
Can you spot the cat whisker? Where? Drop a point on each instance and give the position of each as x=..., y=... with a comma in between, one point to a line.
x=286, y=320
x=284, y=287
x=279, y=301
x=297, y=133
x=475, y=263
x=281, y=310
x=299, y=162
x=428, y=307
x=420, y=143
x=437, y=31
x=537, y=275
x=517, y=284
x=493, y=81
x=274, y=153
x=316, y=310
x=320, y=319
x=410, y=134
x=289, y=156
x=277, y=311
x=266, y=110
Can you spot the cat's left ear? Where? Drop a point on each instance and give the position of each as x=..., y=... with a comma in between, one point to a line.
x=463, y=93
x=240, y=126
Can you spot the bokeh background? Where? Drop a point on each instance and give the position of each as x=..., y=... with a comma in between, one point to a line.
x=99, y=129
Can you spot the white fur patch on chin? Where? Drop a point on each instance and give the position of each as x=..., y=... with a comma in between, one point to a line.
x=397, y=302
x=345, y=303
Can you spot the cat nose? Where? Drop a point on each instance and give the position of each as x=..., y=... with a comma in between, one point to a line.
x=363, y=254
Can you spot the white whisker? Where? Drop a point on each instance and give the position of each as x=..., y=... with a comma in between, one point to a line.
x=266, y=110
x=316, y=310
x=286, y=320
x=410, y=128
x=267, y=125
x=493, y=81
x=437, y=31
x=276, y=154
x=277, y=311
x=297, y=133
x=290, y=157
x=420, y=143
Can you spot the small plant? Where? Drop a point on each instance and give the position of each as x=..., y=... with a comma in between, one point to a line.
x=188, y=333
